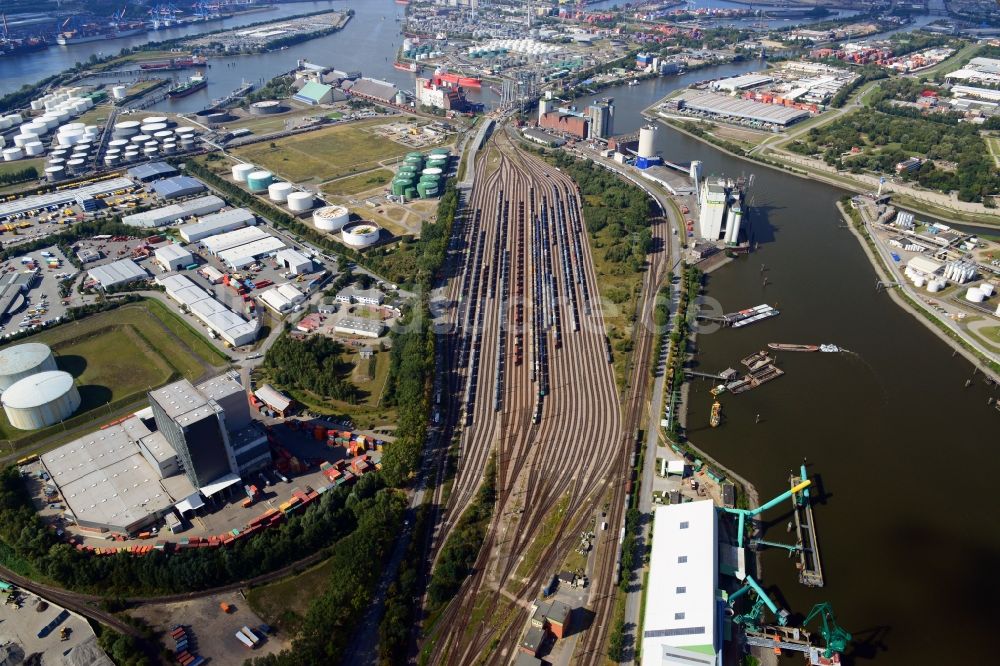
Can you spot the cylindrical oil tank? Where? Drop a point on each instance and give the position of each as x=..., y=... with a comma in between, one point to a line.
x=11, y=154
x=152, y=128
x=975, y=295
x=186, y=130
x=400, y=184
x=987, y=289
x=299, y=202
x=258, y=181
x=22, y=140
x=427, y=190
x=117, y=143
x=163, y=134
x=154, y=120
x=112, y=160
x=647, y=136
x=77, y=165
x=118, y=92
x=437, y=163
x=267, y=107
x=415, y=154
x=130, y=155
x=54, y=173
x=169, y=147
x=125, y=129
x=41, y=400
x=241, y=171
x=279, y=191
x=410, y=193
x=57, y=161
x=15, y=119
x=431, y=171
x=360, y=234
x=331, y=218
x=20, y=361
x=139, y=139
x=70, y=137
x=34, y=148
x=415, y=161
x=441, y=151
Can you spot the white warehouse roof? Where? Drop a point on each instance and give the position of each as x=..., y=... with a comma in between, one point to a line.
x=159, y=217
x=295, y=260
x=118, y=272
x=62, y=197
x=923, y=264
x=230, y=326
x=211, y=225
x=245, y=254
x=172, y=252
x=682, y=611
x=219, y=243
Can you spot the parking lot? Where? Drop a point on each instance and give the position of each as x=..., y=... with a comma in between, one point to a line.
x=67, y=639
x=211, y=631
x=43, y=303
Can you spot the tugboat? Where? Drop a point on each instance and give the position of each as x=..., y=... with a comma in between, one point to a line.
x=196, y=83
x=830, y=348
x=716, y=418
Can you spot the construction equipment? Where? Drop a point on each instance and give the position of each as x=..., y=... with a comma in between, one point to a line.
x=835, y=636
x=751, y=619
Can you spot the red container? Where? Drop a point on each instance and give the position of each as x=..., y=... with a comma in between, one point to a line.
x=319, y=432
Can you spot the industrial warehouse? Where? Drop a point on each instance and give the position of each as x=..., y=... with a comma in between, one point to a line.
x=725, y=107
x=225, y=323
x=171, y=456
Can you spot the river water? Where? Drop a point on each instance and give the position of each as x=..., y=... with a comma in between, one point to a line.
x=899, y=447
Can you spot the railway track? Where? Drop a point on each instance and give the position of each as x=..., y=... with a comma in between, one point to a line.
x=530, y=364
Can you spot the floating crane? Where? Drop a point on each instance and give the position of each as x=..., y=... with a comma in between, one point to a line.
x=743, y=514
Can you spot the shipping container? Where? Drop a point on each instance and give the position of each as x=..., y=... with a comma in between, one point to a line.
x=249, y=634
x=244, y=639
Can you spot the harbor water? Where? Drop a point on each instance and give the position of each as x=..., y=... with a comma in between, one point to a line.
x=898, y=446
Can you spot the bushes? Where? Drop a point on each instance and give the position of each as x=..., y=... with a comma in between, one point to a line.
x=313, y=364
x=19, y=176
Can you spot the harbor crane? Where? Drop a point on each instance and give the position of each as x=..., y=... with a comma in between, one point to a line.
x=835, y=636
x=751, y=619
x=743, y=514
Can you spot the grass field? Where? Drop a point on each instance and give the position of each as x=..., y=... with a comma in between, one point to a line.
x=18, y=165
x=116, y=356
x=359, y=183
x=367, y=413
x=991, y=333
x=324, y=154
x=284, y=603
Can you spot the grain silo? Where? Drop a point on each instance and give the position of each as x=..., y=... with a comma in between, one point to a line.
x=20, y=361
x=41, y=400
x=647, y=135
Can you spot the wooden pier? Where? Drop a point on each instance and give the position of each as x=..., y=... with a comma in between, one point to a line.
x=809, y=565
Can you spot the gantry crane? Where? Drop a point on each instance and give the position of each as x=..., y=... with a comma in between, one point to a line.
x=743, y=514
x=835, y=636
x=751, y=619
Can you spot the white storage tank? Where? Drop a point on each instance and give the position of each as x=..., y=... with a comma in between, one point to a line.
x=20, y=361
x=117, y=143
x=975, y=295
x=112, y=160
x=15, y=119
x=360, y=234
x=11, y=154
x=918, y=281
x=934, y=286
x=152, y=128
x=125, y=129
x=55, y=173
x=279, y=191
x=41, y=400
x=139, y=139
x=34, y=149
x=23, y=139
x=158, y=120
x=987, y=289
x=299, y=202
x=118, y=92
x=77, y=165
x=241, y=171
x=331, y=218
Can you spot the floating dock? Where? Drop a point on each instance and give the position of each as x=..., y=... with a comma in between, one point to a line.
x=809, y=565
x=760, y=375
x=756, y=360
x=750, y=316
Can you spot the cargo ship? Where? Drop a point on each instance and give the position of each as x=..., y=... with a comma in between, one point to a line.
x=716, y=417
x=188, y=87
x=405, y=66
x=91, y=34
x=449, y=79
x=781, y=346
x=751, y=315
x=19, y=46
x=175, y=63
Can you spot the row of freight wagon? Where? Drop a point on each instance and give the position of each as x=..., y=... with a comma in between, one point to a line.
x=184, y=647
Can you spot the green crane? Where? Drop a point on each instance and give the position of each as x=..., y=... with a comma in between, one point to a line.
x=835, y=636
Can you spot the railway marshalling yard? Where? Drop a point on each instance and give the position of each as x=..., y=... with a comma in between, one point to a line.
x=531, y=383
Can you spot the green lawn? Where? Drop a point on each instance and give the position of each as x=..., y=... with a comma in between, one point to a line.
x=324, y=154
x=359, y=183
x=284, y=603
x=18, y=165
x=116, y=357
x=991, y=333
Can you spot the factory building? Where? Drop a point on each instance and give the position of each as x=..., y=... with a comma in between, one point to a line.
x=230, y=239
x=293, y=260
x=726, y=108
x=178, y=186
x=565, y=122
x=175, y=212
x=350, y=295
x=118, y=272
x=20, y=361
x=367, y=328
x=314, y=93
x=243, y=246
x=544, y=138
x=432, y=92
x=225, y=323
x=282, y=298
x=601, y=115
x=151, y=171
x=41, y=399
x=219, y=223
x=128, y=475
x=13, y=288
x=373, y=90
x=65, y=197
x=722, y=210
x=683, y=612
x=173, y=257
x=743, y=82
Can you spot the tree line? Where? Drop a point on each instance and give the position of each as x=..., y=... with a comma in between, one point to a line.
x=314, y=364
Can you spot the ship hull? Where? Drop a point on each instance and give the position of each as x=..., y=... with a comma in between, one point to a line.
x=779, y=346
x=184, y=92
